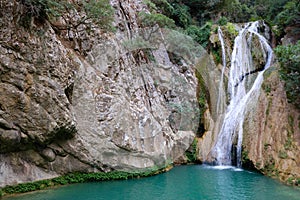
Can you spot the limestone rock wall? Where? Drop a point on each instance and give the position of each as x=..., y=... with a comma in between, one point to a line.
x=271, y=135
x=84, y=102
x=271, y=132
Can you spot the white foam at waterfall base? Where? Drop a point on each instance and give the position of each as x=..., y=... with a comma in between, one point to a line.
x=223, y=167
x=239, y=92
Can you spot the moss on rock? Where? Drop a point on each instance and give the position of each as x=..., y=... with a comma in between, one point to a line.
x=79, y=177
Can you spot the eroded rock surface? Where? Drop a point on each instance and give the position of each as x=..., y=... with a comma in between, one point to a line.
x=271, y=127
x=272, y=132
x=87, y=103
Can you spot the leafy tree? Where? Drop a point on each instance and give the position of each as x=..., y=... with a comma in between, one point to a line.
x=235, y=11
x=289, y=58
x=222, y=21
x=149, y=20
x=268, y=9
x=200, y=34
x=164, y=6
x=203, y=10
x=289, y=16
x=181, y=15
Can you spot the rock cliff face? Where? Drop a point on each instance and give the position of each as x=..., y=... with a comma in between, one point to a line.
x=272, y=135
x=271, y=127
x=84, y=102
x=94, y=101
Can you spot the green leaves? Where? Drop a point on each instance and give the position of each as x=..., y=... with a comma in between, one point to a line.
x=191, y=153
x=150, y=20
x=289, y=59
x=44, y=8
x=181, y=15
x=163, y=5
x=290, y=15
x=200, y=34
x=99, y=12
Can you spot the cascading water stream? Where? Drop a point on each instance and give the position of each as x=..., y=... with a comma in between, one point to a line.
x=221, y=101
x=243, y=87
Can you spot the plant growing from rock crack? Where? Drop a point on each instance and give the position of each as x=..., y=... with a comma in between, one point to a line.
x=191, y=153
x=98, y=12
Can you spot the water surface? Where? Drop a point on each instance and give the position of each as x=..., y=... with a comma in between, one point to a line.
x=183, y=182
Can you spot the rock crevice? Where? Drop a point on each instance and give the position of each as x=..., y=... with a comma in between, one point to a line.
x=84, y=102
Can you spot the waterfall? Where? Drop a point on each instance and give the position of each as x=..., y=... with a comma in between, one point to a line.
x=244, y=83
x=221, y=98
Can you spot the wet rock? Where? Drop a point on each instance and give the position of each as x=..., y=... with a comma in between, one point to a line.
x=271, y=134
x=271, y=131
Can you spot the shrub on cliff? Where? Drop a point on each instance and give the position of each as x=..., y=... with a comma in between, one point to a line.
x=200, y=34
x=99, y=12
x=289, y=16
x=150, y=20
x=289, y=58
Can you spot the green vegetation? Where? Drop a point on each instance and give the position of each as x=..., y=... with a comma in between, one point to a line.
x=291, y=124
x=152, y=7
x=77, y=177
x=231, y=30
x=181, y=46
x=200, y=34
x=202, y=102
x=191, y=153
x=246, y=162
x=181, y=15
x=152, y=19
x=222, y=21
x=193, y=16
x=288, y=145
x=282, y=154
x=289, y=58
x=293, y=181
x=203, y=98
x=216, y=55
x=43, y=9
x=266, y=88
x=289, y=16
x=258, y=165
x=290, y=181
x=96, y=11
x=245, y=156
x=269, y=168
x=237, y=11
x=163, y=5
x=198, y=12
x=266, y=146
